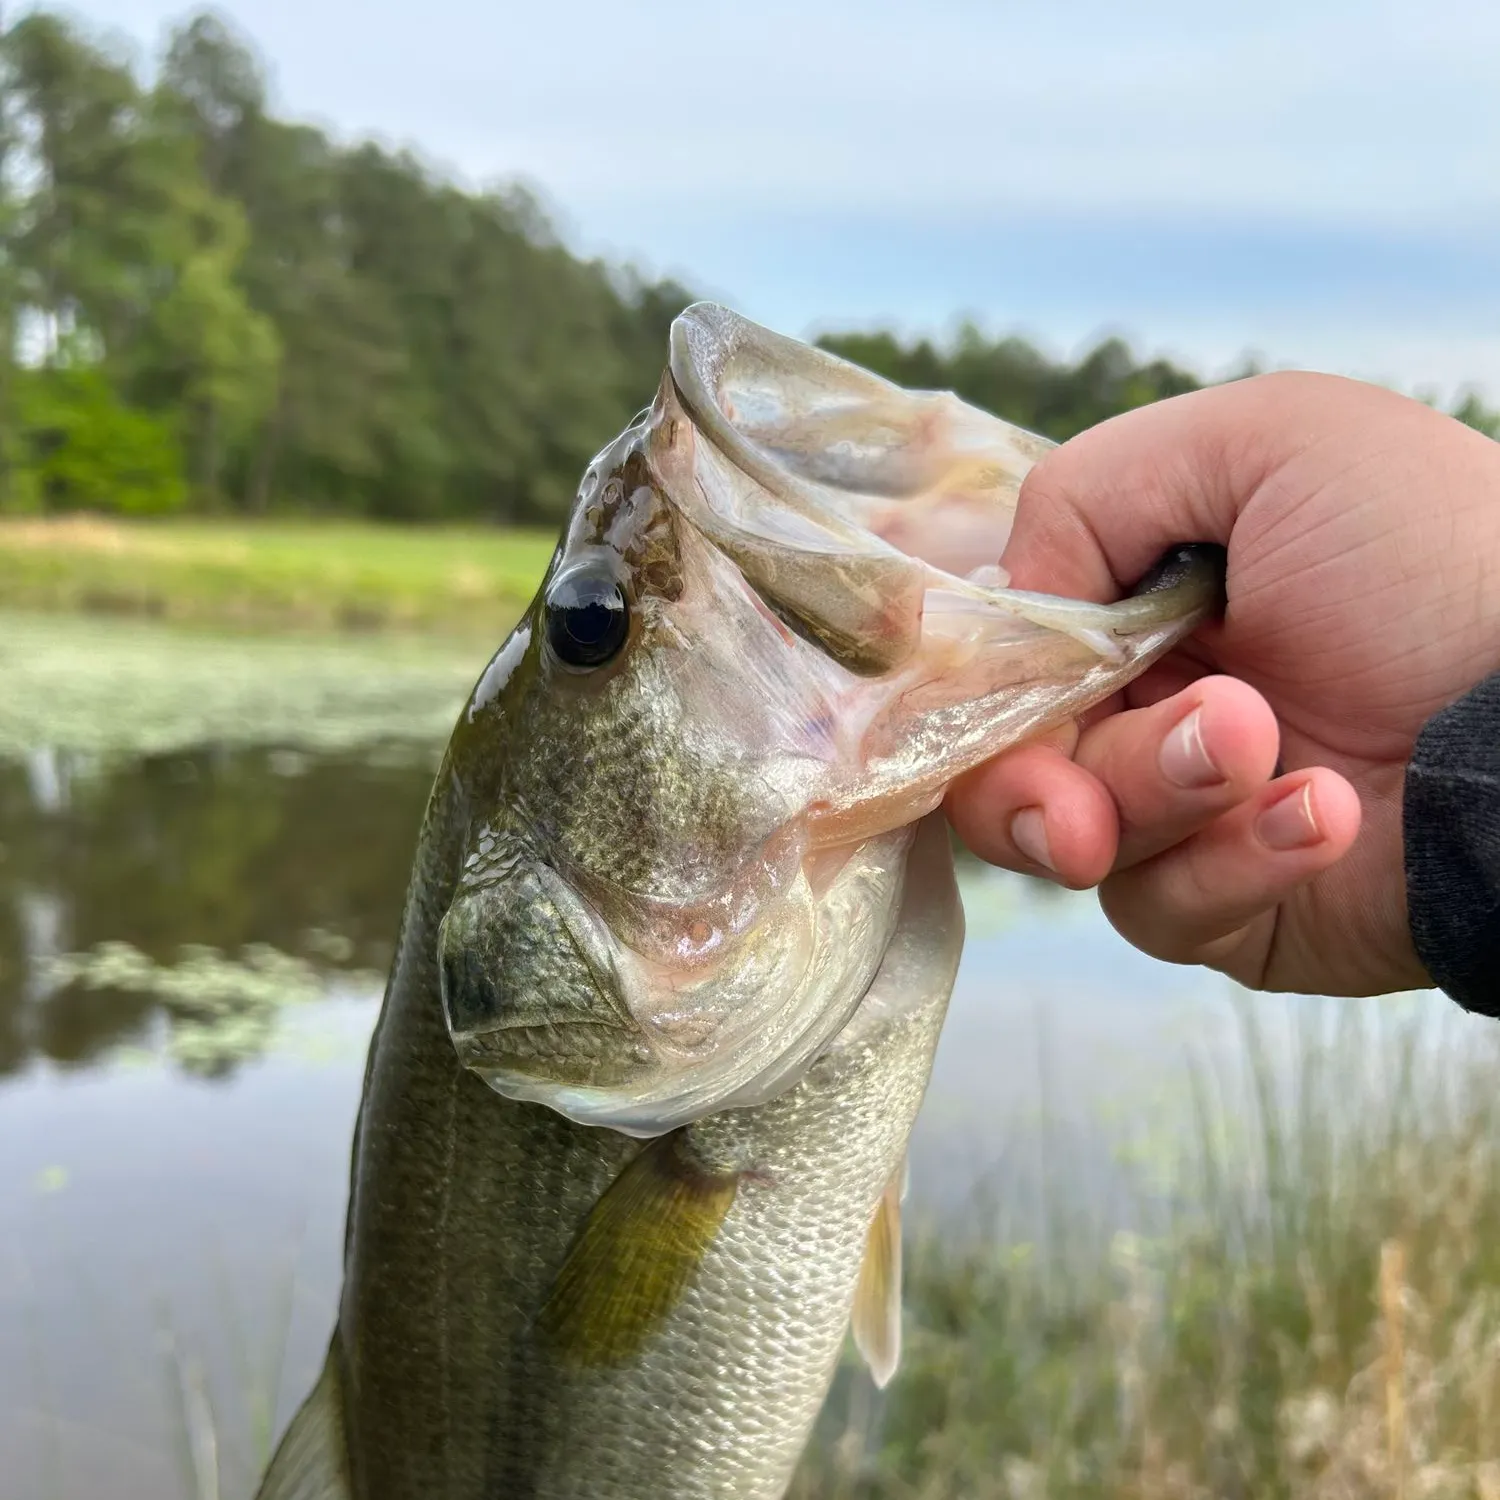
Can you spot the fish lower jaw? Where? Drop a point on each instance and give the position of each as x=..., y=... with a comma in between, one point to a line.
x=603, y=1108
x=563, y=1066
x=572, y=1052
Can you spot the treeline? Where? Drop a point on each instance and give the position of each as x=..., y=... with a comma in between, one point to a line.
x=203, y=306
x=1013, y=379
x=206, y=306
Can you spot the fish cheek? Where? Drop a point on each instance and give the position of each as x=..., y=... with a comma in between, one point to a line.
x=636, y=1254
x=518, y=997
x=470, y=999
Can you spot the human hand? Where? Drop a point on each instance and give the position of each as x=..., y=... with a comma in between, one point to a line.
x=1363, y=533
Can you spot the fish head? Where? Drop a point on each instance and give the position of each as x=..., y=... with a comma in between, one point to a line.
x=773, y=631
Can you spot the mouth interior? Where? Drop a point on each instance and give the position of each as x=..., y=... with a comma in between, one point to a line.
x=838, y=446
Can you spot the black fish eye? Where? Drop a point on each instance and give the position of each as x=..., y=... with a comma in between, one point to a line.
x=587, y=620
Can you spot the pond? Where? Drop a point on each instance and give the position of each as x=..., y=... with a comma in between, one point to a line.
x=204, y=848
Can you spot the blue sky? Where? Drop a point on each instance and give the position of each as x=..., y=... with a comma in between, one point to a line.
x=1318, y=183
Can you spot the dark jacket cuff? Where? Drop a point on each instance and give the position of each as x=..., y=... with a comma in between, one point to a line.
x=1451, y=831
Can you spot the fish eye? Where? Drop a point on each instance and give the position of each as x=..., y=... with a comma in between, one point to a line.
x=587, y=620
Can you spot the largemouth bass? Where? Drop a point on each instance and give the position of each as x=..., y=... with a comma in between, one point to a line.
x=679, y=940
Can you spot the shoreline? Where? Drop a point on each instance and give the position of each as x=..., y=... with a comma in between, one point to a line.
x=353, y=579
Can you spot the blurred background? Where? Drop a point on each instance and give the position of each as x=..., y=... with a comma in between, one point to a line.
x=312, y=314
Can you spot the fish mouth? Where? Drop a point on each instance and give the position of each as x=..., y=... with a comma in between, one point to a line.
x=872, y=676
x=527, y=976
x=736, y=1038
x=823, y=486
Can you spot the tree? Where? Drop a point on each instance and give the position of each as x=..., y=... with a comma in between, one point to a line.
x=214, y=78
x=126, y=256
x=9, y=284
x=298, y=323
x=83, y=448
x=441, y=352
x=1011, y=378
x=1472, y=412
x=207, y=353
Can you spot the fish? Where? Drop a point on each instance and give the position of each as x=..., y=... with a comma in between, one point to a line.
x=679, y=941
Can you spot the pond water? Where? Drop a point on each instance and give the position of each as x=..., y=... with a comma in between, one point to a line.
x=204, y=847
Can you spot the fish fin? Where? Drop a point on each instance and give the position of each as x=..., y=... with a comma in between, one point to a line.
x=635, y=1255
x=311, y=1461
x=877, y=1296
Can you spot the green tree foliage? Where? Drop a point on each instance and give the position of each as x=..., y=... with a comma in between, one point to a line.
x=9, y=288
x=1472, y=412
x=298, y=324
x=317, y=326
x=83, y=448
x=1010, y=377
x=128, y=265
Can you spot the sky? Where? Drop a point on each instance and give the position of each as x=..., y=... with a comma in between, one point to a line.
x=1314, y=184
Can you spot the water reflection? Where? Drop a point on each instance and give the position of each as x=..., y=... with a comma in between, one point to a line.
x=228, y=872
x=233, y=849
x=220, y=1199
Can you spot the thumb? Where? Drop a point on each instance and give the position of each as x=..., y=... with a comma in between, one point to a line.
x=1097, y=512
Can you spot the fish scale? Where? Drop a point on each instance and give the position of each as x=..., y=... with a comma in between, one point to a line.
x=630, y=799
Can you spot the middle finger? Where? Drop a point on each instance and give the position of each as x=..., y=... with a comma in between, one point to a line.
x=1175, y=766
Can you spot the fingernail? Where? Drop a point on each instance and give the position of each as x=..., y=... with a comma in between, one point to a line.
x=1184, y=760
x=1291, y=822
x=1028, y=832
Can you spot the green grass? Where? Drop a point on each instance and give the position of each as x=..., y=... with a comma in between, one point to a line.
x=1315, y=1313
x=468, y=582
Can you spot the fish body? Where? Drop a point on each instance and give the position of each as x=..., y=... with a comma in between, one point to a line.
x=678, y=944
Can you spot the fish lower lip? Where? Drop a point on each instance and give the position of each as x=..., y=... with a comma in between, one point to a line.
x=523, y=1046
x=527, y=1023
x=502, y=1037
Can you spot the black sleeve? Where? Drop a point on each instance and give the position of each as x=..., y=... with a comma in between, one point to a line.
x=1451, y=830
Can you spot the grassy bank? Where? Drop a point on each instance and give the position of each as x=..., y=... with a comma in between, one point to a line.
x=1316, y=1314
x=276, y=575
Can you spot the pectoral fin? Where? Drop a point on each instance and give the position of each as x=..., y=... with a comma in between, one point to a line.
x=636, y=1254
x=311, y=1461
x=877, y=1297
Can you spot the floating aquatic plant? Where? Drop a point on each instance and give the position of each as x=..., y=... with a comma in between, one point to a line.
x=130, y=688
x=221, y=1010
